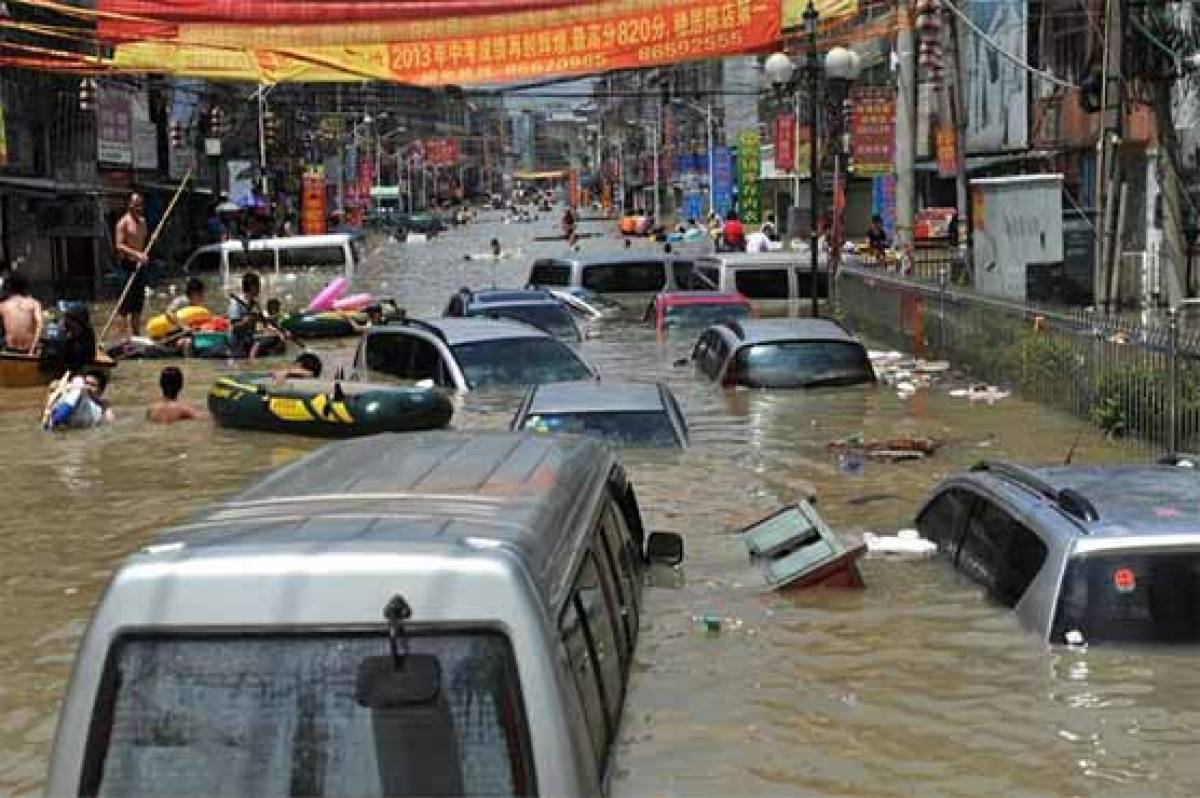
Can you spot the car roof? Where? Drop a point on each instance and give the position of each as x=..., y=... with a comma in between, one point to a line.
x=594, y=397
x=1134, y=499
x=616, y=258
x=440, y=492
x=757, y=331
x=455, y=330
x=703, y=298
x=511, y=297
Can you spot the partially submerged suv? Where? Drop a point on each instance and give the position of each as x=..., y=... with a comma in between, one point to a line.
x=1083, y=554
x=530, y=306
x=783, y=353
x=622, y=413
x=468, y=354
x=439, y=614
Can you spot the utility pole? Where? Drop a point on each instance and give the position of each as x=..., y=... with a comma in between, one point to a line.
x=262, y=136
x=958, y=118
x=1108, y=155
x=906, y=112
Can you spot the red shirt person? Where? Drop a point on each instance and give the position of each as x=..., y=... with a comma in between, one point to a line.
x=733, y=234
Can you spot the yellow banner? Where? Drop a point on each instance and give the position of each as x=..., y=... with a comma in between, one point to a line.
x=476, y=51
x=793, y=11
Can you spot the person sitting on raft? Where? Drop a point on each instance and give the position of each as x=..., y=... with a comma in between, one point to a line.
x=193, y=297
x=20, y=316
x=306, y=366
x=170, y=409
x=244, y=314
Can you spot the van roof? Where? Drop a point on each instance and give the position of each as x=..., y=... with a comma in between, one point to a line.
x=780, y=258
x=447, y=493
x=616, y=258
x=288, y=242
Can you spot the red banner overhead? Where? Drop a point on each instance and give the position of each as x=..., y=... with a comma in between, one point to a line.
x=785, y=142
x=434, y=42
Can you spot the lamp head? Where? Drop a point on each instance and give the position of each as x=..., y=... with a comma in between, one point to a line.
x=778, y=70
x=810, y=18
x=843, y=64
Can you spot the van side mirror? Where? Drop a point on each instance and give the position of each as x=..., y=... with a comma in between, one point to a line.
x=664, y=548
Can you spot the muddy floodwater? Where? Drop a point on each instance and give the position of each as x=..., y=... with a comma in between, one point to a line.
x=913, y=686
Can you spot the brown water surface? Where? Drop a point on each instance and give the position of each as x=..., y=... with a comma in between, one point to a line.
x=914, y=686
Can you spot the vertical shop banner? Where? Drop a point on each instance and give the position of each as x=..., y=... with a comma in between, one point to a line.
x=883, y=202
x=573, y=197
x=997, y=89
x=114, y=137
x=749, y=165
x=693, y=205
x=145, y=146
x=804, y=152
x=785, y=142
x=722, y=180
x=312, y=202
x=947, y=150
x=3, y=138
x=872, y=130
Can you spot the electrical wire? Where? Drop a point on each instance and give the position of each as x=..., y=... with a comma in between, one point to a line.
x=1016, y=60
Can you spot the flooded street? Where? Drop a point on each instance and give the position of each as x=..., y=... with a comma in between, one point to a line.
x=914, y=686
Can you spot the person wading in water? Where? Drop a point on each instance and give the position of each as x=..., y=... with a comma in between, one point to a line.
x=130, y=241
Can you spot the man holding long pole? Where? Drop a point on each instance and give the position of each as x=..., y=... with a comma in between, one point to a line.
x=130, y=241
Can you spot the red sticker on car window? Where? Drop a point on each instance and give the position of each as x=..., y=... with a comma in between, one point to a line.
x=1124, y=580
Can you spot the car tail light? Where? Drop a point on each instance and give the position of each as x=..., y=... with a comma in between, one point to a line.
x=1124, y=580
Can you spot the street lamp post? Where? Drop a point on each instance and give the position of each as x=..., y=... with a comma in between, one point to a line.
x=781, y=72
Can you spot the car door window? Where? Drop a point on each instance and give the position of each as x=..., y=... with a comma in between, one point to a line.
x=942, y=520
x=586, y=678
x=683, y=272
x=621, y=549
x=1000, y=552
x=601, y=625
x=390, y=353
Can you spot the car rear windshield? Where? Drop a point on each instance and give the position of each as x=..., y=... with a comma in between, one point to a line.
x=519, y=361
x=262, y=715
x=1143, y=597
x=679, y=316
x=554, y=319
x=801, y=364
x=629, y=428
x=618, y=278
x=550, y=274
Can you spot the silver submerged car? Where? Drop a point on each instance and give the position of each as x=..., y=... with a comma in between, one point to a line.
x=1083, y=554
x=468, y=354
x=437, y=614
x=782, y=353
x=622, y=413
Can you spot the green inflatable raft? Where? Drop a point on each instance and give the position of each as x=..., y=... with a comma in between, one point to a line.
x=330, y=324
x=325, y=408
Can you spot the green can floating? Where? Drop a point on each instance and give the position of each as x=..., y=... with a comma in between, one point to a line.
x=325, y=408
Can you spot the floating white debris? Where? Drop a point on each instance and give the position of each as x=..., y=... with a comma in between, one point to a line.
x=906, y=541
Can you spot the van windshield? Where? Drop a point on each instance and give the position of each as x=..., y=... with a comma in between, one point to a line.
x=801, y=364
x=278, y=715
x=519, y=361
x=1131, y=597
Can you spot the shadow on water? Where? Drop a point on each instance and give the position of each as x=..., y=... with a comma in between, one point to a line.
x=913, y=686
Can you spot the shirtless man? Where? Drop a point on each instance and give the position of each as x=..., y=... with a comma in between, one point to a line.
x=20, y=316
x=130, y=239
x=170, y=409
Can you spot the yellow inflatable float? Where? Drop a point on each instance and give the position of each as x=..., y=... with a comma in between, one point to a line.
x=160, y=326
